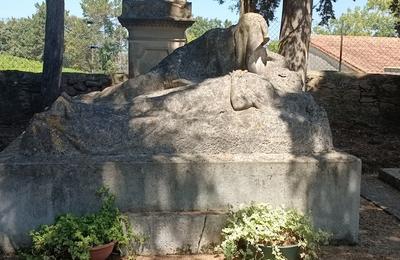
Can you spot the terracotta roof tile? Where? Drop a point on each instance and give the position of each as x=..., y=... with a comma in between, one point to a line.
x=364, y=53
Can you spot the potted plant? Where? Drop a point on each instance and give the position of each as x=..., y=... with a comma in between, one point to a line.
x=91, y=236
x=259, y=231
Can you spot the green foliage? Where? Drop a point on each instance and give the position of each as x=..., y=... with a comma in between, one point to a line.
x=71, y=237
x=24, y=37
x=273, y=46
x=375, y=19
x=78, y=38
x=395, y=10
x=267, y=8
x=8, y=62
x=105, y=32
x=202, y=25
x=257, y=225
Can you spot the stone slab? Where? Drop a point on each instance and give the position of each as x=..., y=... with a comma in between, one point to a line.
x=184, y=233
x=391, y=176
x=382, y=194
x=35, y=191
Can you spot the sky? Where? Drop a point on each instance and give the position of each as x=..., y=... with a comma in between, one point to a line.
x=204, y=8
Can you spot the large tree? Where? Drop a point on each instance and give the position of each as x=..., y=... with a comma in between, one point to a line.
x=202, y=25
x=110, y=35
x=374, y=19
x=295, y=34
x=24, y=37
x=395, y=8
x=53, y=51
x=295, y=27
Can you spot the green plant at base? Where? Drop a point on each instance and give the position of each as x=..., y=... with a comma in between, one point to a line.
x=250, y=228
x=71, y=237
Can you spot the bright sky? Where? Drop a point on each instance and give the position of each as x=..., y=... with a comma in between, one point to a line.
x=205, y=8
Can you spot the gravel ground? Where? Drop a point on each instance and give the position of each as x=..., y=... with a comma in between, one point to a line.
x=379, y=237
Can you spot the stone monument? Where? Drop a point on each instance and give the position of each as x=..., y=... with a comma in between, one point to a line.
x=181, y=143
x=156, y=28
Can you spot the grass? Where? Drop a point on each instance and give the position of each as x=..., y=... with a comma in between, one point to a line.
x=9, y=62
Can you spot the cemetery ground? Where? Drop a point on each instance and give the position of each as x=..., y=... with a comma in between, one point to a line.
x=379, y=239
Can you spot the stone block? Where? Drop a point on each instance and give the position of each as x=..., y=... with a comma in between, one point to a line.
x=391, y=176
x=179, y=201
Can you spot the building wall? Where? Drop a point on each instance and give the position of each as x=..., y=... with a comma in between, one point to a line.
x=320, y=61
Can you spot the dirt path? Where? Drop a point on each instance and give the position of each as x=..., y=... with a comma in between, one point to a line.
x=379, y=237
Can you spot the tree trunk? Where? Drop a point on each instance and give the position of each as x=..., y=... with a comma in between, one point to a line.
x=295, y=34
x=247, y=6
x=53, y=51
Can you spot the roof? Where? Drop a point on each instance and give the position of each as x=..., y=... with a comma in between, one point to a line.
x=363, y=53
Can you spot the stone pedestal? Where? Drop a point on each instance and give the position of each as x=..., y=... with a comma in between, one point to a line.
x=156, y=28
x=179, y=201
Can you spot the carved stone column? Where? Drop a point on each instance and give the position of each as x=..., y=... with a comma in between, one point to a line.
x=156, y=28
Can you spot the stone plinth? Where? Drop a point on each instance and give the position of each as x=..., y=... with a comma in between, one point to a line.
x=179, y=201
x=156, y=28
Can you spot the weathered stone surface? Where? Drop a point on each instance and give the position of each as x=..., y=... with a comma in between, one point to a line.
x=188, y=104
x=20, y=98
x=168, y=197
x=391, y=176
x=238, y=113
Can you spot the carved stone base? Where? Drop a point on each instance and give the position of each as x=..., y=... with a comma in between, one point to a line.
x=179, y=201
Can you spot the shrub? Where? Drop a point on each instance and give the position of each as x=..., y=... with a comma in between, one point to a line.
x=250, y=228
x=71, y=237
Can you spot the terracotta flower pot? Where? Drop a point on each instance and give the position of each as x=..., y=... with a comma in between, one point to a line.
x=289, y=252
x=101, y=252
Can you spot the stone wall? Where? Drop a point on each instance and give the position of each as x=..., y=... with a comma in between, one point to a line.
x=20, y=96
x=372, y=99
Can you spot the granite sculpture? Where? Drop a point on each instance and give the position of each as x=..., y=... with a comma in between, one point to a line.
x=194, y=101
x=198, y=132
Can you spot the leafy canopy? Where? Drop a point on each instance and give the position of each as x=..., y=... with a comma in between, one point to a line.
x=267, y=8
x=24, y=37
x=374, y=19
x=202, y=25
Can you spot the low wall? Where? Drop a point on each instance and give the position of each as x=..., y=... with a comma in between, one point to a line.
x=372, y=99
